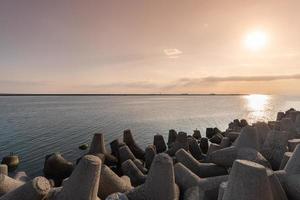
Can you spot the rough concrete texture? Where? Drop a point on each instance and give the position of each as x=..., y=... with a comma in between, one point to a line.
x=84, y=181
x=292, y=144
x=193, y=193
x=150, y=153
x=3, y=169
x=117, y=196
x=262, y=130
x=197, y=134
x=292, y=184
x=180, y=142
x=136, y=176
x=247, y=139
x=200, y=169
x=125, y=154
x=194, y=148
x=57, y=168
x=21, y=176
x=225, y=142
x=130, y=142
x=171, y=137
x=248, y=181
x=286, y=124
x=274, y=147
x=293, y=165
x=212, y=148
x=160, y=182
x=140, y=166
x=285, y=159
x=98, y=147
x=159, y=143
x=37, y=189
x=278, y=192
x=8, y=184
x=222, y=189
x=111, y=183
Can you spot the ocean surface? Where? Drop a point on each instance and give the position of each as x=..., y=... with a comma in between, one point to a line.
x=34, y=126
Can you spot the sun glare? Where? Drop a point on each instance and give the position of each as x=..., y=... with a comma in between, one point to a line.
x=256, y=40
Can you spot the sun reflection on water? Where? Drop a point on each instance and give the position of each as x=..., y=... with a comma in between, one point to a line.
x=258, y=107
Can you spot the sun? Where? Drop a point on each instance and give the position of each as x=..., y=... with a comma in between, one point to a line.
x=256, y=40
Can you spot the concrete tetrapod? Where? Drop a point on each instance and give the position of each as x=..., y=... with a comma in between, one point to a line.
x=132, y=171
x=286, y=124
x=115, y=145
x=125, y=154
x=293, y=165
x=3, y=169
x=159, y=143
x=98, y=147
x=274, y=147
x=186, y=179
x=194, y=148
x=247, y=139
x=83, y=183
x=171, y=137
x=202, y=170
x=56, y=167
x=150, y=153
x=21, y=176
x=8, y=184
x=37, y=189
x=180, y=142
x=130, y=142
x=248, y=181
x=160, y=182
x=111, y=183
x=285, y=159
x=225, y=157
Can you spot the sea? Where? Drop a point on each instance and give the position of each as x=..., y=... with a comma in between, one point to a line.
x=35, y=126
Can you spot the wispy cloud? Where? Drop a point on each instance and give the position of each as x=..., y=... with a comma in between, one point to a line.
x=172, y=53
x=187, y=82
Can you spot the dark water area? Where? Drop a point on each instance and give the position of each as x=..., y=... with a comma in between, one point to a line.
x=34, y=126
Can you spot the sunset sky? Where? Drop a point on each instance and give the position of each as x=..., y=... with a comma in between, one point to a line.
x=153, y=46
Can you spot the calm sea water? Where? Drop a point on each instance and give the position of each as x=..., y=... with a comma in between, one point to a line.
x=33, y=127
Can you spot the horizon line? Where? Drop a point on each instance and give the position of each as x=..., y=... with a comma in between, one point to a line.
x=122, y=94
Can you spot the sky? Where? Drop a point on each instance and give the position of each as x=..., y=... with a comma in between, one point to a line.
x=150, y=46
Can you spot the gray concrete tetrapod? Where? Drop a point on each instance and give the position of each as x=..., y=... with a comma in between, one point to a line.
x=285, y=159
x=247, y=139
x=130, y=142
x=98, y=147
x=159, y=143
x=248, y=181
x=150, y=153
x=225, y=142
x=3, y=169
x=262, y=130
x=132, y=171
x=293, y=165
x=292, y=144
x=286, y=124
x=194, y=148
x=225, y=157
x=8, y=184
x=186, y=179
x=274, y=147
x=84, y=181
x=180, y=142
x=292, y=184
x=171, y=137
x=21, y=176
x=111, y=183
x=36, y=189
x=160, y=182
x=202, y=170
x=56, y=167
x=125, y=154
